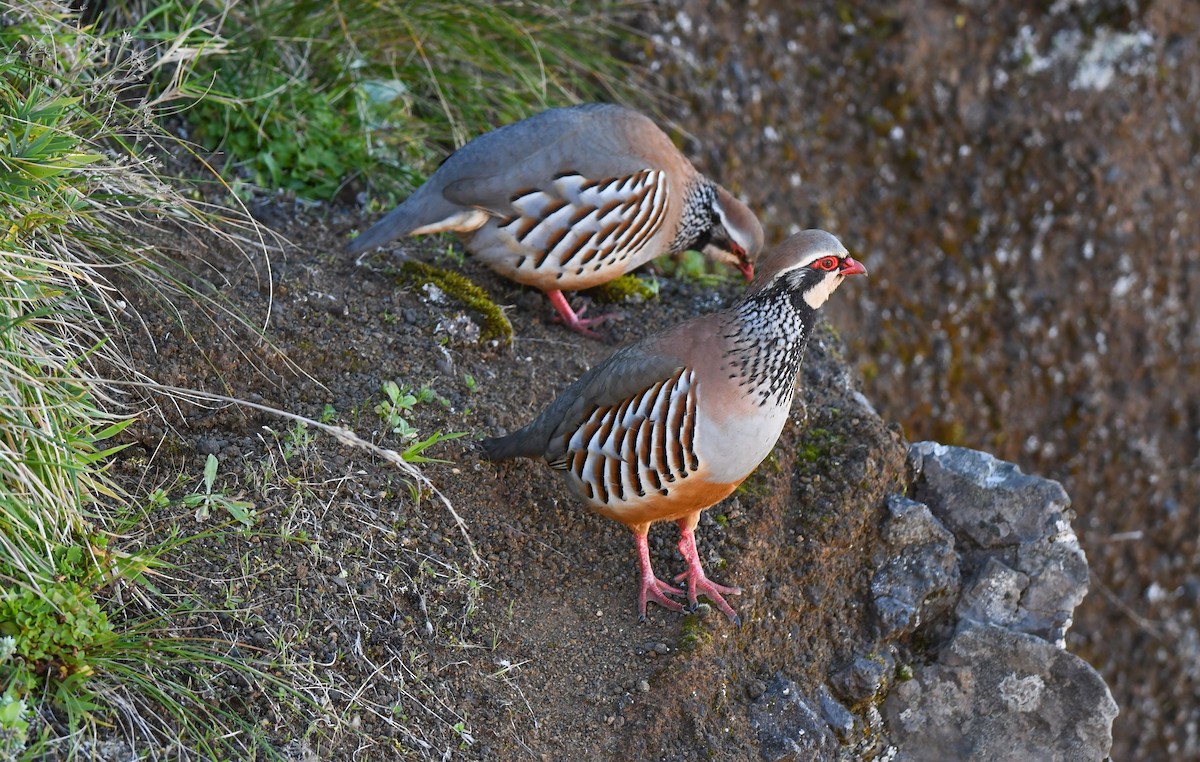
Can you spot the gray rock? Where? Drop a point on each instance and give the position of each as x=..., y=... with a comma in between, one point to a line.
x=988, y=501
x=999, y=695
x=919, y=579
x=994, y=596
x=791, y=727
x=863, y=677
x=1022, y=561
x=838, y=717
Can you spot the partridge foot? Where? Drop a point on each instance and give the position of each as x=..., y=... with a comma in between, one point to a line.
x=652, y=588
x=574, y=319
x=698, y=582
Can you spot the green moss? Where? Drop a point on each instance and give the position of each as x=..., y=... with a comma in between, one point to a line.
x=755, y=485
x=457, y=286
x=816, y=445
x=625, y=288
x=693, y=634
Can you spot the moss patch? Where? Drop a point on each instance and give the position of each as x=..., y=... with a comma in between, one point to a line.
x=693, y=634
x=458, y=286
x=625, y=288
x=816, y=445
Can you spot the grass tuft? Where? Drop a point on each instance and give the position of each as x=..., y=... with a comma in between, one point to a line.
x=309, y=96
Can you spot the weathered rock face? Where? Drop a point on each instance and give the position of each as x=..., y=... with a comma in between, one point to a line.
x=1025, y=569
x=792, y=727
x=997, y=694
x=986, y=570
x=1020, y=180
x=1001, y=687
x=918, y=577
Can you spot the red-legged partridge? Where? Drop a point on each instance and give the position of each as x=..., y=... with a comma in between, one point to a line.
x=672, y=424
x=572, y=198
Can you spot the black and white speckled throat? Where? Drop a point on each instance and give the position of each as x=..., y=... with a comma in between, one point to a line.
x=697, y=219
x=768, y=335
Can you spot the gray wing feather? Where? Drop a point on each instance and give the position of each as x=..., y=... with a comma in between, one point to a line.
x=489, y=170
x=625, y=373
x=596, y=140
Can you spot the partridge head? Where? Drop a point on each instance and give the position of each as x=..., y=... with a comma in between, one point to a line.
x=670, y=425
x=572, y=198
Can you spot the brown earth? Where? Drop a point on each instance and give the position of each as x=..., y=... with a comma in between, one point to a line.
x=536, y=651
x=1026, y=212
x=1020, y=180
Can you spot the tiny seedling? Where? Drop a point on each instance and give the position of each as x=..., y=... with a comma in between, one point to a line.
x=207, y=500
x=413, y=453
x=328, y=413
x=403, y=401
x=392, y=410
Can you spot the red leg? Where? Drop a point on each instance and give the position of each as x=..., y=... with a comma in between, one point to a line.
x=575, y=320
x=652, y=588
x=697, y=581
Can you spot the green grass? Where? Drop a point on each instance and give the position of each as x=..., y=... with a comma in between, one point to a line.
x=309, y=96
x=86, y=642
x=93, y=616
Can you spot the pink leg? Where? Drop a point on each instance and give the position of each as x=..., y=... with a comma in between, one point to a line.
x=652, y=588
x=574, y=320
x=697, y=581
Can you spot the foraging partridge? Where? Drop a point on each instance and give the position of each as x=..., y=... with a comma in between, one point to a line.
x=672, y=424
x=572, y=198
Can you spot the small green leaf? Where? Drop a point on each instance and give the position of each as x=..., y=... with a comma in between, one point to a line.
x=210, y=472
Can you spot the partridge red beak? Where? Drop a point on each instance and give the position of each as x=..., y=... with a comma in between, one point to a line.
x=746, y=268
x=852, y=267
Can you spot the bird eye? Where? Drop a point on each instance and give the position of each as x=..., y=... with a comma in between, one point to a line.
x=826, y=263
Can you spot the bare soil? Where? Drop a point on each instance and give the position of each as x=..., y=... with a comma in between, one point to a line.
x=536, y=651
x=1020, y=187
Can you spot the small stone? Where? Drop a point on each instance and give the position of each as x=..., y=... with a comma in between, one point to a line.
x=755, y=689
x=643, y=686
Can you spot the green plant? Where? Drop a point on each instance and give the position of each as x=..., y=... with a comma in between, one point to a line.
x=692, y=265
x=391, y=410
x=399, y=403
x=308, y=95
x=241, y=510
x=85, y=205
x=14, y=712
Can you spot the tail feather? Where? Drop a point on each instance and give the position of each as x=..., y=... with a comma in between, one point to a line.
x=515, y=445
x=394, y=224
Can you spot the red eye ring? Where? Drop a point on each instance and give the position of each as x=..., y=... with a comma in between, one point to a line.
x=828, y=264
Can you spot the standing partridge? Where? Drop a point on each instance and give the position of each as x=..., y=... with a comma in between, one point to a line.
x=672, y=424
x=573, y=198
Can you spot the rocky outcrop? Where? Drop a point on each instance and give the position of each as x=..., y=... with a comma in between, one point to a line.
x=976, y=580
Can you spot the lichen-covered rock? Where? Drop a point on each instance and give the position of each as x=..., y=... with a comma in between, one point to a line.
x=1022, y=564
x=792, y=727
x=983, y=500
x=994, y=694
x=864, y=677
x=918, y=579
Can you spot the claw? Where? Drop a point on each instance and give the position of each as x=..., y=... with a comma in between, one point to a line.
x=653, y=588
x=574, y=319
x=698, y=582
